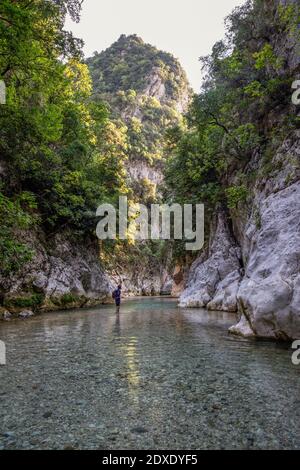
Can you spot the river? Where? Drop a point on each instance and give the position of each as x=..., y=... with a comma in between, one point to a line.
x=154, y=377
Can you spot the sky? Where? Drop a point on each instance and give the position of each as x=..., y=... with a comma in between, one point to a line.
x=186, y=28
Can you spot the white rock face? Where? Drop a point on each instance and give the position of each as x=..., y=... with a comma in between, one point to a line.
x=179, y=277
x=5, y=314
x=143, y=281
x=213, y=280
x=242, y=329
x=155, y=86
x=268, y=296
x=140, y=170
x=225, y=297
x=167, y=284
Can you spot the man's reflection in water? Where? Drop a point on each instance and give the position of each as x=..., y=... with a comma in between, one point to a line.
x=117, y=327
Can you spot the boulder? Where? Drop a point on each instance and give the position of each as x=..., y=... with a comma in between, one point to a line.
x=25, y=314
x=257, y=271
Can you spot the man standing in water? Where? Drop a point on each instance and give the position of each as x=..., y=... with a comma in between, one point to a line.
x=117, y=297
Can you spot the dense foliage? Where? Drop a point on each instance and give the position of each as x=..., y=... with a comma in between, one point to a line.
x=60, y=154
x=145, y=88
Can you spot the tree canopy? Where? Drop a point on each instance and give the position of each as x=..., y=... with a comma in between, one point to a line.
x=61, y=155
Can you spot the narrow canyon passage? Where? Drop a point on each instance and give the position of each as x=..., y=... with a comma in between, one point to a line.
x=154, y=377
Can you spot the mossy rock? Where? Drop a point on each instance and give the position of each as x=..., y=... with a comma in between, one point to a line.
x=70, y=301
x=64, y=302
x=17, y=303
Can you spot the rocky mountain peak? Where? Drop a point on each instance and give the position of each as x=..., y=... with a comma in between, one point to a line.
x=146, y=89
x=131, y=64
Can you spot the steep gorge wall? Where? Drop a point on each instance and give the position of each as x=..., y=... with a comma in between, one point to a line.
x=266, y=291
x=269, y=294
x=252, y=263
x=147, y=90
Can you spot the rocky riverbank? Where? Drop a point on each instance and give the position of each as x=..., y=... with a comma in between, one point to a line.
x=62, y=274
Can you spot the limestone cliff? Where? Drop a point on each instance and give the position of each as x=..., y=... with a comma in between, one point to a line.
x=266, y=291
x=252, y=261
x=268, y=296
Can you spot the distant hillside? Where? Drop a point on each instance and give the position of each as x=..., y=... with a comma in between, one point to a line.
x=130, y=64
x=147, y=90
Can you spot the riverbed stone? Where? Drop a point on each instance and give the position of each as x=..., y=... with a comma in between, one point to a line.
x=26, y=314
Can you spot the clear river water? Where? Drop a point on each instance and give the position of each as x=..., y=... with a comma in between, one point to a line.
x=154, y=377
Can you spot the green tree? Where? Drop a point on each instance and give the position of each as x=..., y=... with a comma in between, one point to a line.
x=55, y=143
